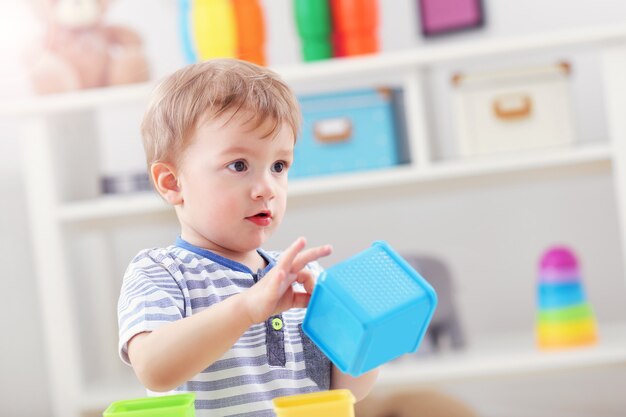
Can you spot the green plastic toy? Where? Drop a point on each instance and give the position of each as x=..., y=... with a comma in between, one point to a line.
x=179, y=405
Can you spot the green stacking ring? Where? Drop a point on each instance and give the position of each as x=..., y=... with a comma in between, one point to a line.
x=577, y=312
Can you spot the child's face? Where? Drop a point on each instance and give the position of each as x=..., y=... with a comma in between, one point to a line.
x=233, y=184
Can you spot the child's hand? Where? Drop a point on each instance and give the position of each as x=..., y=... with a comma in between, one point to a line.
x=274, y=293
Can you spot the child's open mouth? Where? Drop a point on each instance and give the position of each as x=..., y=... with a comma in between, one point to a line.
x=263, y=218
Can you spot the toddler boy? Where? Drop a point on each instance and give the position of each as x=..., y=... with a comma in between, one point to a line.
x=215, y=314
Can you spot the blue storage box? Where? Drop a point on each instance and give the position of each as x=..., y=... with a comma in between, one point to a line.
x=349, y=131
x=369, y=309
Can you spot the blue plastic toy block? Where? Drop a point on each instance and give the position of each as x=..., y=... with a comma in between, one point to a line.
x=369, y=309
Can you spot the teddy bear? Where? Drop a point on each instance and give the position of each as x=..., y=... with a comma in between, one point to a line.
x=79, y=51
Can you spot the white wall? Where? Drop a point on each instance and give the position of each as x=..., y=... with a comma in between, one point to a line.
x=490, y=232
x=23, y=384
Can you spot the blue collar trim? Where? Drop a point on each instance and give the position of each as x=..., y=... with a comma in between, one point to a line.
x=229, y=263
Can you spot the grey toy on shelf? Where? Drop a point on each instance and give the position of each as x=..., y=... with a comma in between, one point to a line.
x=125, y=183
x=445, y=327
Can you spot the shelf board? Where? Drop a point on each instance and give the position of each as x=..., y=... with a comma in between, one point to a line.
x=75, y=101
x=523, y=161
x=146, y=203
x=112, y=206
x=431, y=55
x=326, y=184
x=497, y=356
x=513, y=162
x=502, y=356
x=387, y=62
x=97, y=397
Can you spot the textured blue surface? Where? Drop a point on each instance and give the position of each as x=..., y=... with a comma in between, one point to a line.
x=369, y=309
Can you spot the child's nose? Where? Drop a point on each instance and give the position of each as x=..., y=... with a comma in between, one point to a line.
x=263, y=188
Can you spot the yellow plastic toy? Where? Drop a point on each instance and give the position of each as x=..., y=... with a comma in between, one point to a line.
x=335, y=403
x=214, y=28
x=567, y=333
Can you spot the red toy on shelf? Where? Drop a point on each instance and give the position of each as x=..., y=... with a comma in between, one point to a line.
x=355, y=25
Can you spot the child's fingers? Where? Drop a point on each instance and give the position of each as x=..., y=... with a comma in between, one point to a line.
x=288, y=256
x=279, y=284
x=262, y=298
x=307, y=279
x=300, y=299
x=310, y=255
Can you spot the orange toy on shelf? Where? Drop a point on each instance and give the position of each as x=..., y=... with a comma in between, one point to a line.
x=250, y=31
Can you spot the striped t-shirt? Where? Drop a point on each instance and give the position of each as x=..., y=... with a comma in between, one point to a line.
x=271, y=359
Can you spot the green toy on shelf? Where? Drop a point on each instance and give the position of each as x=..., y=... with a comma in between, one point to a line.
x=314, y=26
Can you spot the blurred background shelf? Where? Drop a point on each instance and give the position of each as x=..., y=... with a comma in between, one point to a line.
x=58, y=130
x=576, y=158
x=504, y=355
x=501, y=356
x=113, y=206
x=97, y=397
x=75, y=101
x=396, y=61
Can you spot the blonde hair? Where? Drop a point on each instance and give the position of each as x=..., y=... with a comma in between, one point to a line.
x=205, y=91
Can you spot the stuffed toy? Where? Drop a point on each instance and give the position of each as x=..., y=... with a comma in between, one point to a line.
x=79, y=51
x=445, y=327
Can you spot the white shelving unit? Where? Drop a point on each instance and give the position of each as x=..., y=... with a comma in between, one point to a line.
x=142, y=204
x=55, y=128
x=502, y=356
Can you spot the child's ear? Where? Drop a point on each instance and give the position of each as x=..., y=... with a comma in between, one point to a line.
x=166, y=182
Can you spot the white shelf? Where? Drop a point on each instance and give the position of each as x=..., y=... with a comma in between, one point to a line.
x=505, y=355
x=389, y=62
x=42, y=141
x=430, y=55
x=75, y=101
x=496, y=165
x=111, y=207
x=96, y=398
x=499, y=356
x=577, y=156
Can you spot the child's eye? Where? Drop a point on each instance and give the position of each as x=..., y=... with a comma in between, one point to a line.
x=237, y=166
x=279, y=166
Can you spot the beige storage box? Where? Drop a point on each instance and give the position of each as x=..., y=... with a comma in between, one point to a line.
x=514, y=110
